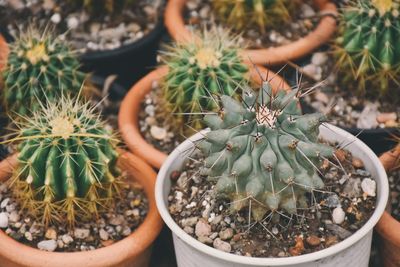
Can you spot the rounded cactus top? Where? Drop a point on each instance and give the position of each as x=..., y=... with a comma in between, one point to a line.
x=67, y=162
x=262, y=152
x=39, y=66
x=199, y=70
x=368, y=43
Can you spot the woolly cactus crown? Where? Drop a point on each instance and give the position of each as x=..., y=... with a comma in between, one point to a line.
x=39, y=67
x=262, y=13
x=198, y=70
x=369, y=44
x=67, y=163
x=262, y=152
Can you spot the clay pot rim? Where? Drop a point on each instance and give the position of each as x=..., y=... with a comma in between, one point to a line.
x=117, y=253
x=128, y=116
x=388, y=226
x=4, y=49
x=322, y=33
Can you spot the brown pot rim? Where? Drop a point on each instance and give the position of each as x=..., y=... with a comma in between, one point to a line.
x=275, y=55
x=121, y=252
x=4, y=50
x=388, y=227
x=128, y=117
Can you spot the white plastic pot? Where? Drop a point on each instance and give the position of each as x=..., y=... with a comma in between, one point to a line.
x=351, y=252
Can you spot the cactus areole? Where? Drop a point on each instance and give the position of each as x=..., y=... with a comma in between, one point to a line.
x=67, y=163
x=262, y=153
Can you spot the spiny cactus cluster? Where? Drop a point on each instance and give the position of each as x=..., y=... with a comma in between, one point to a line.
x=369, y=44
x=263, y=153
x=39, y=67
x=103, y=6
x=67, y=163
x=246, y=13
x=199, y=70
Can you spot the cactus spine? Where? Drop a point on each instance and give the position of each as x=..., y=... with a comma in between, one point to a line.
x=262, y=13
x=39, y=67
x=262, y=153
x=368, y=48
x=199, y=70
x=67, y=163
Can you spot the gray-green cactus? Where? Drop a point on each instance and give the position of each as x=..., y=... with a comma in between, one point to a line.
x=67, y=163
x=39, y=67
x=263, y=152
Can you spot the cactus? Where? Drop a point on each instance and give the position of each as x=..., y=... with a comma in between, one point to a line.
x=103, y=6
x=246, y=13
x=368, y=50
x=197, y=71
x=66, y=163
x=262, y=153
x=39, y=67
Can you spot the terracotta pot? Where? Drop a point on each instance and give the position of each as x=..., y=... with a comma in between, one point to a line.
x=388, y=227
x=3, y=52
x=133, y=250
x=175, y=24
x=128, y=117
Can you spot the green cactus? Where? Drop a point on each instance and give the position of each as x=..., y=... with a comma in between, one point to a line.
x=263, y=153
x=246, y=13
x=95, y=7
x=67, y=163
x=368, y=49
x=199, y=70
x=39, y=67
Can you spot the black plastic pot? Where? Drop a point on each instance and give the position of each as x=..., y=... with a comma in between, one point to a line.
x=129, y=62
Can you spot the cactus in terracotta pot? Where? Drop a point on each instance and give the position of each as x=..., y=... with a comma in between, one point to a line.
x=263, y=152
x=368, y=50
x=39, y=67
x=240, y=14
x=67, y=163
x=198, y=71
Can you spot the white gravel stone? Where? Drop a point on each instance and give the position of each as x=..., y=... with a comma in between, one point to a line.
x=222, y=245
x=103, y=234
x=158, y=132
x=48, y=245
x=3, y=220
x=81, y=233
x=14, y=217
x=319, y=58
x=72, y=22
x=4, y=203
x=367, y=119
x=338, y=215
x=67, y=239
x=202, y=228
x=56, y=18
x=369, y=187
x=226, y=234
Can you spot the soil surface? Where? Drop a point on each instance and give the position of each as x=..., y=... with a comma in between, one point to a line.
x=335, y=213
x=200, y=12
x=85, y=31
x=394, y=183
x=112, y=226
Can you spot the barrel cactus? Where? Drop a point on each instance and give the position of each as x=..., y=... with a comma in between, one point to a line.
x=198, y=71
x=262, y=153
x=66, y=163
x=263, y=13
x=368, y=47
x=103, y=6
x=39, y=67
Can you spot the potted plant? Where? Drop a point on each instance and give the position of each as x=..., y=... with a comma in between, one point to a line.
x=193, y=71
x=251, y=189
x=257, y=18
x=363, y=73
x=69, y=189
x=387, y=226
x=112, y=37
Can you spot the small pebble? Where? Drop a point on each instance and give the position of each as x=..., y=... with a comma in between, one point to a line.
x=51, y=233
x=48, y=245
x=338, y=215
x=357, y=163
x=222, y=245
x=226, y=234
x=67, y=239
x=81, y=233
x=313, y=240
x=369, y=187
x=202, y=228
x=56, y=18
x=103, y=234
x=3, y=220
x=28, y=236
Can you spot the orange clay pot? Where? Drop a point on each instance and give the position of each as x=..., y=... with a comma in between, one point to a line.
x=128, y=117
x=133, y=251
x=175, y=24
x=388, y=227
x=3, y=52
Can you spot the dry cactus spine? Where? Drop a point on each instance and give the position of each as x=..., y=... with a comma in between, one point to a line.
x=198, y=70
x=67, y=163
x=263, y=154
x=240, y=14
x=103, y=6
x=39, y=67
x=368, y=49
